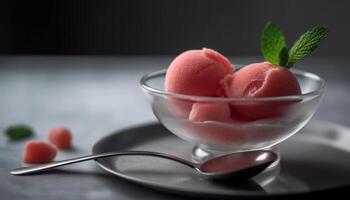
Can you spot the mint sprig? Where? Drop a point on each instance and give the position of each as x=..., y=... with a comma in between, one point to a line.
x=19, y=132
x=283, y=57
x=306, y=44
x=274, y=48
x=272, y=42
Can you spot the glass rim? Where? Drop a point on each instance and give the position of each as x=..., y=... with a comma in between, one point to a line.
x=162, y=72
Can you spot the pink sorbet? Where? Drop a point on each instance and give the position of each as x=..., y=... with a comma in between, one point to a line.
x=219, y=112
x=61, y=137
x=260, y=80
x=197, y=72
x=37, y=152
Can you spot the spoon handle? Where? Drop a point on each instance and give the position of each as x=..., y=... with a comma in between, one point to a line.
x=42, y=167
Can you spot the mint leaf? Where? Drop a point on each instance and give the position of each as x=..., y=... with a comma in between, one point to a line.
x=272, y=42
x=283, y=56
x=19, y=132
x=306, y=44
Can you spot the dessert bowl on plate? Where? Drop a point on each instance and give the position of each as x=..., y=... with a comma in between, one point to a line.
x=251, y=123
x=203, y=99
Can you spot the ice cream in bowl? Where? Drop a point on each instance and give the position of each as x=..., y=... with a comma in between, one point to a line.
x=222, y=107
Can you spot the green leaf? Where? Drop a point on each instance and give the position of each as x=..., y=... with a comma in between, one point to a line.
x=19, y=132
x=306, y=44
x=283, y=57
x=272, y=41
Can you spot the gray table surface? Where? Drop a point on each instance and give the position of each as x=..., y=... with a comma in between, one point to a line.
x=95, y=96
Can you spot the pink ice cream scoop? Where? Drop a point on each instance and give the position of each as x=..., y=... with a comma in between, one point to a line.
x=197, y=72
x=260, y=80
x=210, y=112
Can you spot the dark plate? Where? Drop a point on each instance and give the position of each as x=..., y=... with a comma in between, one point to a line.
x=317, y=158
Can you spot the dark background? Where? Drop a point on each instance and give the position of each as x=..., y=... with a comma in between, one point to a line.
x=97, y=95
x=128, y=27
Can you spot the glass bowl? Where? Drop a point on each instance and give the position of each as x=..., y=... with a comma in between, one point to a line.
x=255, y=123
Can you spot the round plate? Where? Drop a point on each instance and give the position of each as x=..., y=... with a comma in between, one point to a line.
x=317, y=158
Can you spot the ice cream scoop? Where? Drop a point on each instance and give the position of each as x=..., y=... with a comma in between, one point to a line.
x=197, y=72
x=219, y=112
x=260, y=80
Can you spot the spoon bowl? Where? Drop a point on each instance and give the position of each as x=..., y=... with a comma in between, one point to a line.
x=237, y=165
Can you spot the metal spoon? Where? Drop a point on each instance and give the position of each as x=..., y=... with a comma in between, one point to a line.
x=238, y=165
